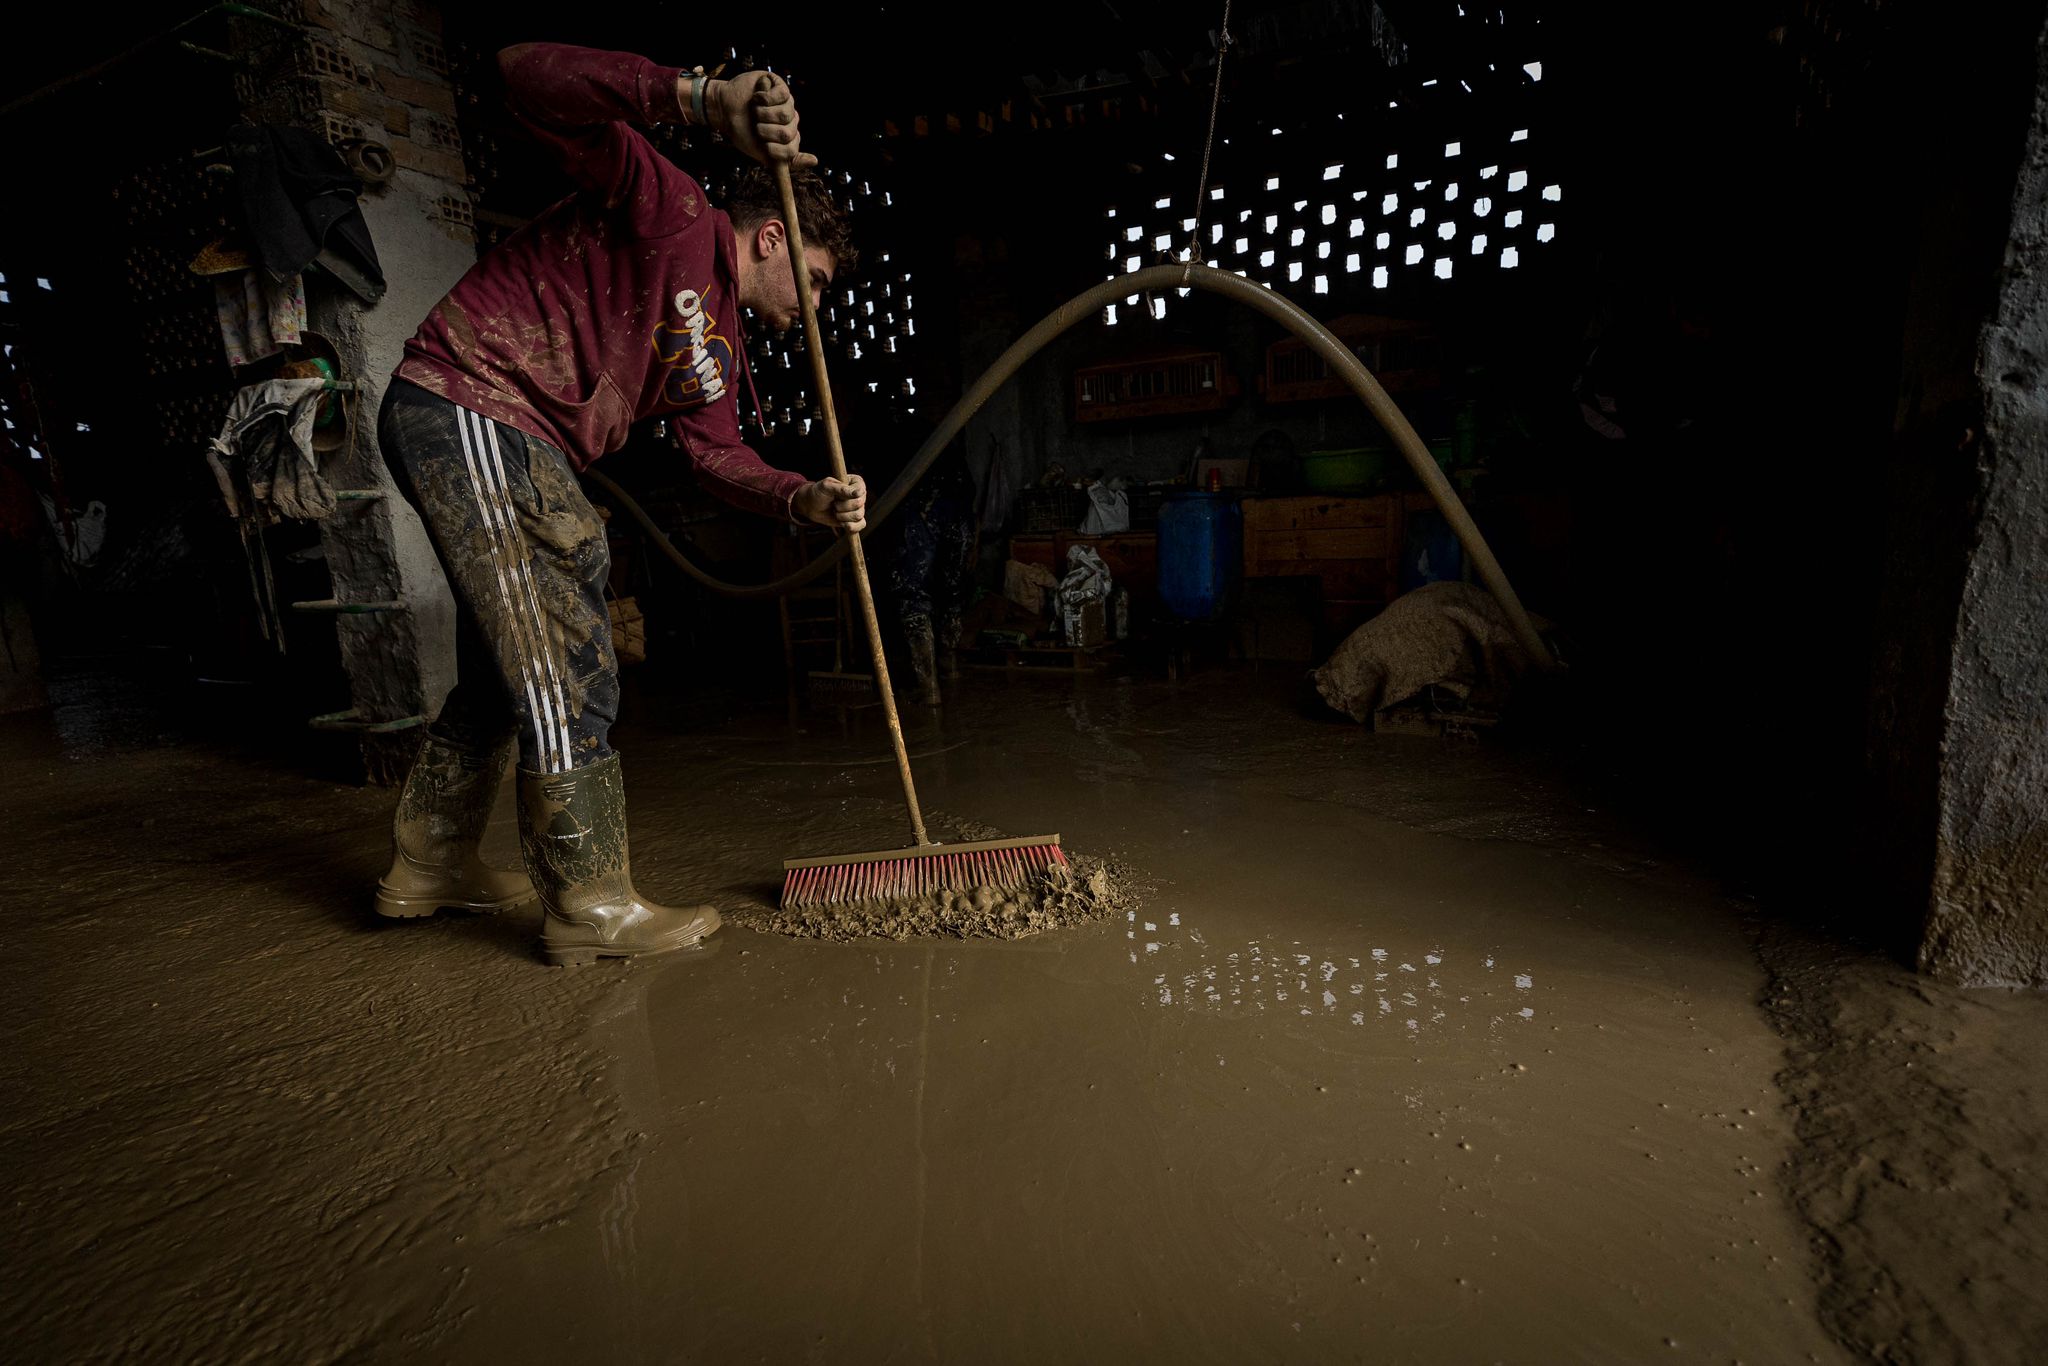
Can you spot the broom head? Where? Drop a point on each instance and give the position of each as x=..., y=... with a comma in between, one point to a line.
x=891, y=873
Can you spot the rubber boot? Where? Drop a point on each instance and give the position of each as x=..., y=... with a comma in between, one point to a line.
x=948, y=640
x=924, y=664
x=572, y=832
x=442, y=811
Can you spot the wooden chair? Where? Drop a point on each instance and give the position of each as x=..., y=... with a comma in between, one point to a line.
x=818, y=638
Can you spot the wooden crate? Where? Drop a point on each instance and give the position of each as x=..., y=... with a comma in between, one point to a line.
x=1353, y=546
x=1350, y=544
x=1132, y=557
x=1040, y=549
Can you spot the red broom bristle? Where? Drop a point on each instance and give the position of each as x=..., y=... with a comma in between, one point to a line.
x=879, y=879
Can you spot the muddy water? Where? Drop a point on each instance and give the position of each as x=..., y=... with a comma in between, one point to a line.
x=1340, y=1090
x=1406, y=1055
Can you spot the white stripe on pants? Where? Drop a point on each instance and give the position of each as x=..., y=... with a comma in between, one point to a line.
x=528, y=633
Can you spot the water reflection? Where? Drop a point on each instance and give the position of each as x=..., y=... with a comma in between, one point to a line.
x=1112, y=758
x=1382, y=987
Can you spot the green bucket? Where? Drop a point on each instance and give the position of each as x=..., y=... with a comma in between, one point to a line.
x=1360, y=469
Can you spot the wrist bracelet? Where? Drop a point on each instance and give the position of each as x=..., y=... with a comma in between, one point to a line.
x=698, y=80
x=789, y=505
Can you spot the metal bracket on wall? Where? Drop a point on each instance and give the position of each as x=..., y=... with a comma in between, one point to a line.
x=351, y=721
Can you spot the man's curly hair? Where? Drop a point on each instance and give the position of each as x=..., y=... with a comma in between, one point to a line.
x=754, y=200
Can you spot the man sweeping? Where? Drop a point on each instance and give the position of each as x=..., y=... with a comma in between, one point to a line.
x=618, y=303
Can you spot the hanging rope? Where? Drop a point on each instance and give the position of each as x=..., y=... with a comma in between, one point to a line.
x=1223, y=41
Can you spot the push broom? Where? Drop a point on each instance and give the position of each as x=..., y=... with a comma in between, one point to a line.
x=928, y=866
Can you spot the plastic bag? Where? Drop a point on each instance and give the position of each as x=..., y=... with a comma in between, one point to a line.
x=1109, y=511
x=1083, y=593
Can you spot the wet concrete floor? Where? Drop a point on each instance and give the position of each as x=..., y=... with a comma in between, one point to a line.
x=1407, y=1056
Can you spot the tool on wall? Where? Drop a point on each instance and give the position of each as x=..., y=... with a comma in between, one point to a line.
x=926, y=867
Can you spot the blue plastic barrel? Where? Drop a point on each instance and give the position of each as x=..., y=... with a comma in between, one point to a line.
x=1201, y=553
x=1430, y=551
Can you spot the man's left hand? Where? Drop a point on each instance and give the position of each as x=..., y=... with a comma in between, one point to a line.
x=841, y=505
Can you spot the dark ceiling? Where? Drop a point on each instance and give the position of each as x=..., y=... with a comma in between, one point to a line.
x=906, y=52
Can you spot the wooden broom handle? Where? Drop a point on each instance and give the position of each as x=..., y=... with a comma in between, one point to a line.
x=814, y=343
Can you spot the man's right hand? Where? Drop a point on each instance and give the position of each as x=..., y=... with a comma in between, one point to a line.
x=756, y=113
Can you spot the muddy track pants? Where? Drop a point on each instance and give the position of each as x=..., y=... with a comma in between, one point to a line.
x=932, y=564
x=526, y=558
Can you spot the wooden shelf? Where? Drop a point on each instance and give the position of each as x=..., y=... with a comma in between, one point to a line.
x=1404, y=356
x=1154, y=386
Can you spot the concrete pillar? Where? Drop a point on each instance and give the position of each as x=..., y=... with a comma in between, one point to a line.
x=375, y=69
x=1987, y=916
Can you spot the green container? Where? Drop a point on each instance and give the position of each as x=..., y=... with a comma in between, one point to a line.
x=1367, y=469
x=1361, y=469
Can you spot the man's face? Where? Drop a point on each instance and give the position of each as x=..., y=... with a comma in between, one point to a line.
x=775, y=301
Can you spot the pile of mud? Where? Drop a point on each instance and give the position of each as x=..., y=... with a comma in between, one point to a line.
x=1086, y=890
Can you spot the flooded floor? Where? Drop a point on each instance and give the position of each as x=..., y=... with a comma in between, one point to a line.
x=1407, y=1056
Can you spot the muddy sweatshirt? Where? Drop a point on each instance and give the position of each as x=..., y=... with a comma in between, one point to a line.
x=616, y=304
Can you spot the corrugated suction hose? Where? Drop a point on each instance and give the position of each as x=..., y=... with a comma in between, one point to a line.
x=1340, y=358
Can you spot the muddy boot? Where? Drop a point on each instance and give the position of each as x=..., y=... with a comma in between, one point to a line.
x=924, y=665
x=948, y=638
x=442, y=811
x=572, y=830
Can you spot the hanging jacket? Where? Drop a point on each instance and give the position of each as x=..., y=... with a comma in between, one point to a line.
x=618, y=303
x=299, y=206
x=263, y=458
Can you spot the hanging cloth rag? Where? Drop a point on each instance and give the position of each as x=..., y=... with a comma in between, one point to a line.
x=258, y=317
x=298, y=201
x=263, y=458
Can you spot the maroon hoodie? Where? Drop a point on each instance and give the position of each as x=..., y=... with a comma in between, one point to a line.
x=618, y=303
